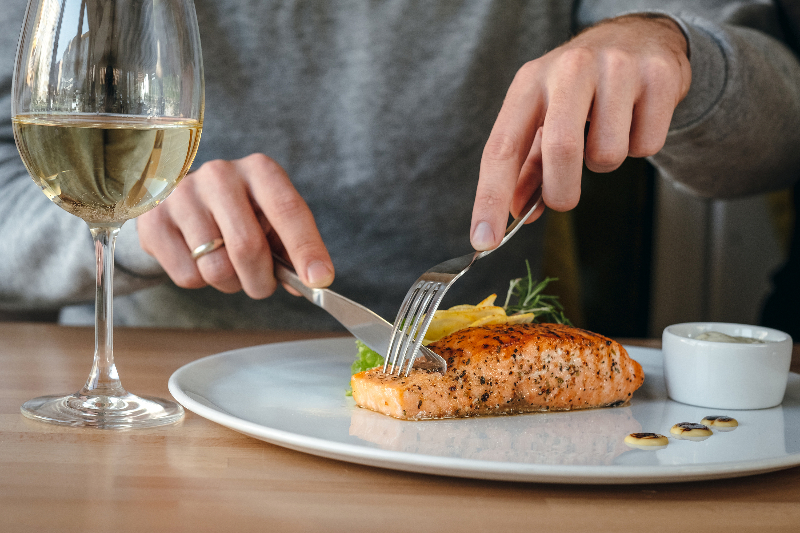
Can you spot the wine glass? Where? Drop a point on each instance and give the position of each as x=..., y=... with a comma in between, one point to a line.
x=107, y=111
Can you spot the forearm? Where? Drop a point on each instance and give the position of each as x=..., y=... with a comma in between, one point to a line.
x=734, y=133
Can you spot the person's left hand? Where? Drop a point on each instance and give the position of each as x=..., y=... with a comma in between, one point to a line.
x=252, y=205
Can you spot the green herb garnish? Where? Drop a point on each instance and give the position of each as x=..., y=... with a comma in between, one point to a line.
x=528, y=296
x=367, y=358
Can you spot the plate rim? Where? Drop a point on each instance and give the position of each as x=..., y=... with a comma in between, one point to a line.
x=454, y=467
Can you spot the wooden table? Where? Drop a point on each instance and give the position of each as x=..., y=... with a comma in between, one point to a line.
x=198, y=476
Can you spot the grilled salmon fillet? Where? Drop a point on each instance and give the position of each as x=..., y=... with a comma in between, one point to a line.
x=506, y=369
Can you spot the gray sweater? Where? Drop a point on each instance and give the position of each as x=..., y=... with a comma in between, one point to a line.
x=379, y=112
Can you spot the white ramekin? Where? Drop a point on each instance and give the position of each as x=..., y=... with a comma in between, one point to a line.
x=726, y=375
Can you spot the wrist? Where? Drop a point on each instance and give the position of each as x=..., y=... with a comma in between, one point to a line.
x=652, y=25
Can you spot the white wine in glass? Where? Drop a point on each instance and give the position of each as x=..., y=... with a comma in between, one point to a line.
x=107, y=112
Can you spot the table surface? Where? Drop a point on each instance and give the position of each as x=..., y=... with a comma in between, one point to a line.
x=199, y=476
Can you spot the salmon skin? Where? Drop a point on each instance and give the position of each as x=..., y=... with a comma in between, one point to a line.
x=507, y=369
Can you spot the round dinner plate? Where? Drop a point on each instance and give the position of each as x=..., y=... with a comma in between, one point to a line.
x=293, y=394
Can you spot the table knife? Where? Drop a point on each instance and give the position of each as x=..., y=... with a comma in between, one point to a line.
x=365, y=325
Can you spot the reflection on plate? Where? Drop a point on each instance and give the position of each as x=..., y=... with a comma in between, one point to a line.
x=292, y=394
x=592, y=437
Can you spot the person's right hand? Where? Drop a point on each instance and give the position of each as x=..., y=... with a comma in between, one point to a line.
x=253, y=206
x=607, y=94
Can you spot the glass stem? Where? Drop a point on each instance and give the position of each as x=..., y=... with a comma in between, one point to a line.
x=104, y=380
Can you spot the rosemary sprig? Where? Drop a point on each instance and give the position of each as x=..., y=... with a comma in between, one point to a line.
x=529, y=299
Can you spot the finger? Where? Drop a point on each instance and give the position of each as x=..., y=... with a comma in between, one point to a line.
x=530, y=178
x=611, y=114
x=191, y=213
x=275, y=245
x=197, y=226
x=291, y=220
x=569, y=99
x=652, y=114
x=503, y=157
x=168, y=246
x=246, y=261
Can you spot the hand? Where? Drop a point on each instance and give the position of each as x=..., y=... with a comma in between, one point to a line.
x=623, y=76
x=253, y=206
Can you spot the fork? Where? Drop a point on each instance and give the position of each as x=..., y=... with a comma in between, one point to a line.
x=425, y=295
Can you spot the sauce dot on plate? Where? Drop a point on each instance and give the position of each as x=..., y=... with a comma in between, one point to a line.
x=720, y=421
x=646, y=440
x=690, y=431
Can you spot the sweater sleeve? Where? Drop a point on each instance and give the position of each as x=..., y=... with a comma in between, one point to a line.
x=735, y=133
x=46, y=254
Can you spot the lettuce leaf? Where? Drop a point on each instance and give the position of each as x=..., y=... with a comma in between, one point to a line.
x=366, y=359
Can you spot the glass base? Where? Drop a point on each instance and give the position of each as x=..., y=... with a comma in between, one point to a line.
x=103, y=412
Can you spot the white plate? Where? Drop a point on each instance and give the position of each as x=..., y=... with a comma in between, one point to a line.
x=293, y=395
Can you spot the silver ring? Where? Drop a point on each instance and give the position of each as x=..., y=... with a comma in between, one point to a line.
x=207, y=248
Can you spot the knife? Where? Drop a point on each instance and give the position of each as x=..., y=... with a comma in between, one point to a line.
x=364, y=324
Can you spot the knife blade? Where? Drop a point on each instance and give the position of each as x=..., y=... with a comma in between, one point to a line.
x=363, y=324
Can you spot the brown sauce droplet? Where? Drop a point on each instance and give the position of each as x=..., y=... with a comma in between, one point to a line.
x=646, y=440
x=691, y=431
x=723, y=423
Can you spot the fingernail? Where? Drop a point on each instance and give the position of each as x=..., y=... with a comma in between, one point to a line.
x=318, y=274
x=483, y=237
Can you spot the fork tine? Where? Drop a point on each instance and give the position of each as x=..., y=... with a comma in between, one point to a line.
x=404, y=323
x=401, y=323
x=411, y=324
x=437, y=295
x=395, y=340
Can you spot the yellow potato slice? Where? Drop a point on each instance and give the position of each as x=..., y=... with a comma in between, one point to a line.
x=442, y=328
x=467, y=316
x=489, y=320
x=488, y=301
x=521, y=318
x=447, y=321
x=462, y=307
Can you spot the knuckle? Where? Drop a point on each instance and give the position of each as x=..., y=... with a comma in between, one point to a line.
x=187, y=279
x=309, y=249
x=604, y=159
x=576, y=60
x=563, y=145
x=262, y=291
x=216, y=269
x=262, y=164
x=646, y=146
x=244, y=245
x=561, y=202
x=616, y=62
x=258, y=158
x=659, y=72
x=216, y=176
x=215, y=167
x=528, y=72
x=488, y=198
x=501, y=146
x=287, y=205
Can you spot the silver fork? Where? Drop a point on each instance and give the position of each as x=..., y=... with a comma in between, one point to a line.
x=425, y=295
